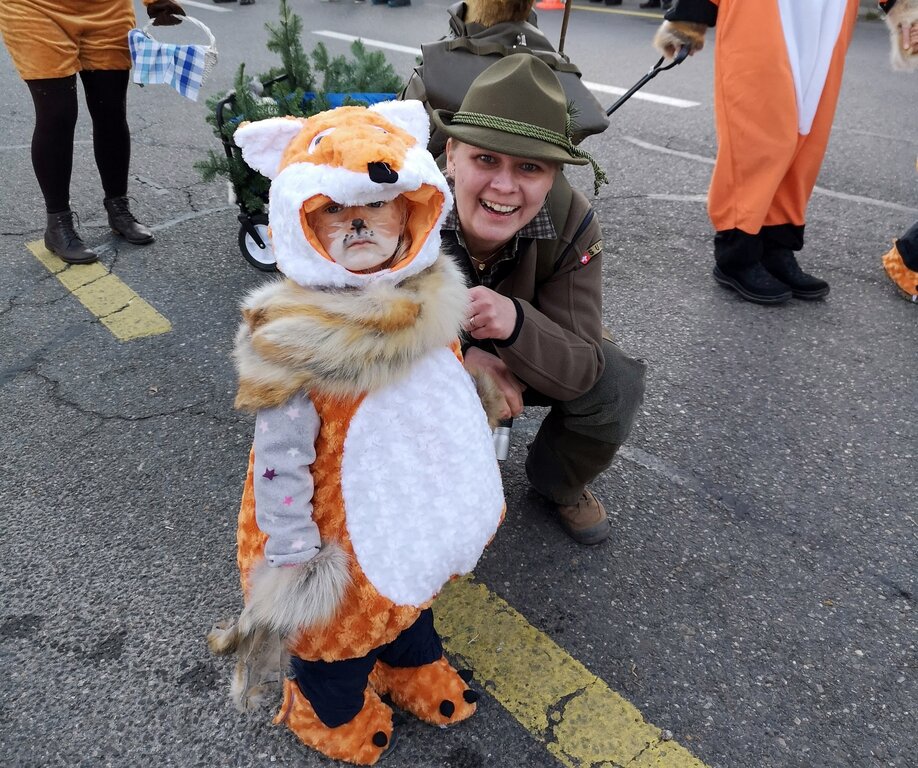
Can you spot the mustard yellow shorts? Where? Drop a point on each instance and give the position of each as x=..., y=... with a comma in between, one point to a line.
x=58, y=38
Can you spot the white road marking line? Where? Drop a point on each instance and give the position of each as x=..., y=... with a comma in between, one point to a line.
x=667, y=100
x=612, y=89
x=206, y=6
x=817, y=190
x=368, y=41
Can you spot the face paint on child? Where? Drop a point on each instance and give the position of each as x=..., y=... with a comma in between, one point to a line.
x=362, y=238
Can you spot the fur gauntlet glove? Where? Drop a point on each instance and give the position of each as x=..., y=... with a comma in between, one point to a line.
x=900, y=19
x=165, y=13
x=282, y=602
x=672, y=35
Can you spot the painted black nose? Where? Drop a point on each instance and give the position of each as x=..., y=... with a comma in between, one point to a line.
x=381, y=173
x=358, y=224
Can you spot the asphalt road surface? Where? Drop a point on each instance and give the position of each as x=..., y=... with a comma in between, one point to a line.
x=756, y=599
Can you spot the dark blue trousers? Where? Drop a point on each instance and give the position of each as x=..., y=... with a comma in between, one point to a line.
x=908, y=247
x=335, y=688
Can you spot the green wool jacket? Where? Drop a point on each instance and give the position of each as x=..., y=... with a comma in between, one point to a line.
x=556, y=350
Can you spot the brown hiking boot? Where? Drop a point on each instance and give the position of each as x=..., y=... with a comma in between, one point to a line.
x=586, y=521
x=63, y=240
x=123, y=223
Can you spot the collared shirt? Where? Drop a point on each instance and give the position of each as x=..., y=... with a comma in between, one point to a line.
x=539, y=228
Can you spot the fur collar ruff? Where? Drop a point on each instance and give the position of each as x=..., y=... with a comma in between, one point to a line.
x=344, y=341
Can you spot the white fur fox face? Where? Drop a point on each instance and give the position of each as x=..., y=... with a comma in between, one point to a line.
x=349, y=157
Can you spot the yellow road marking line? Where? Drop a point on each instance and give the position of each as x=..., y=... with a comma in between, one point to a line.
x=581, y=721
x=118, y=308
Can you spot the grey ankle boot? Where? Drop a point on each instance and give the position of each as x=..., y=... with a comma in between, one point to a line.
x=62, y=239
x=123, y=223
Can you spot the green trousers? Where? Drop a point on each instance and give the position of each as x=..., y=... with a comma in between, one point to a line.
x=579, y=438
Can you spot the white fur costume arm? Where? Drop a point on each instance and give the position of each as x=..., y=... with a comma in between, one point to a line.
x=903, y=14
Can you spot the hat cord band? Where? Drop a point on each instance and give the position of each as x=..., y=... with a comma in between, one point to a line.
x=506, y=125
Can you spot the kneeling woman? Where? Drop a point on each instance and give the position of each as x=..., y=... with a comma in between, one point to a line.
x=532, y=248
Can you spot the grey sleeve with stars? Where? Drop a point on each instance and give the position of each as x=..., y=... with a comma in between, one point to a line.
x=285, y=439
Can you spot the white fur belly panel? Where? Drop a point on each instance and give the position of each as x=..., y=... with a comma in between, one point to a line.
x=811, y=29
x=421, y=485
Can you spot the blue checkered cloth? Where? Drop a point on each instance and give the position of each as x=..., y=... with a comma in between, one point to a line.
x=155, y=63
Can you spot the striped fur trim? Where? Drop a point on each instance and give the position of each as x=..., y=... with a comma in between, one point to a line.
x=343, y=341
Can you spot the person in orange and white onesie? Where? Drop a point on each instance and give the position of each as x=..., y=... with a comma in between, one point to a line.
x=372, y=479
x=777, y=73
x=50, y=42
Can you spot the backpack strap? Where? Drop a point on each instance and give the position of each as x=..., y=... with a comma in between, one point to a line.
x=550, y=253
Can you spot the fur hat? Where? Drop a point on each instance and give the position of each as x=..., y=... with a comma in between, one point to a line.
x=352, y=156
x=491, y=12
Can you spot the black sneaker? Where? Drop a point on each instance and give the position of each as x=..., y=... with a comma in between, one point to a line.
x=754, y=284
x=782, y=264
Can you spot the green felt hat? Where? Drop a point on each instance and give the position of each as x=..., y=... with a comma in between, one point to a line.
x=515, y=107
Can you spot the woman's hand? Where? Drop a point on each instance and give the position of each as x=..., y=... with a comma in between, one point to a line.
x=510, y=386
x=491, y=316
x=910, y=39
x=165, y=13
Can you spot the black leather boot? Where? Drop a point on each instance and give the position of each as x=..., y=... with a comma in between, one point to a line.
x=739, y=266
x=123, y=223
x=754, y=284
x=782, y=264
x=62, y=239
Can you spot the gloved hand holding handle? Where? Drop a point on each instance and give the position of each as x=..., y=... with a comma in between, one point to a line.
x=165, y=13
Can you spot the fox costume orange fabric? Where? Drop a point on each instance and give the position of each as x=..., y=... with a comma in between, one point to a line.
x=778, y=71
x=372, y=479
x=50, y=38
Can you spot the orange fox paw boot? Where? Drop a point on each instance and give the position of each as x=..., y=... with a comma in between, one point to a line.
x=435, y=693
x=906, y=280
x=361, y=741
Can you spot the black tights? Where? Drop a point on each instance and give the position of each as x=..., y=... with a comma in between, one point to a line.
x=55, y=121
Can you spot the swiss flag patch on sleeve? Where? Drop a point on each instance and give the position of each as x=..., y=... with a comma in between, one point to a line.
x=591, y=252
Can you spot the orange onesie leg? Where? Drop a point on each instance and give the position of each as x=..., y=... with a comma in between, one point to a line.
x=765, y=169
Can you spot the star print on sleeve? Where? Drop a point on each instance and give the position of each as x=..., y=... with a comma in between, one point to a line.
x=284, y=447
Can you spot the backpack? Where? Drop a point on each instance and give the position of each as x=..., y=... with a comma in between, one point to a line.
x=449, y=66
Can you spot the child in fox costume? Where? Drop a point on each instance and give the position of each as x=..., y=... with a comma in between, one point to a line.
x=372, y=478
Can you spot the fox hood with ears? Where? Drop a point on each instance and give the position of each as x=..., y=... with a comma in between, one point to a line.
x=351, y=156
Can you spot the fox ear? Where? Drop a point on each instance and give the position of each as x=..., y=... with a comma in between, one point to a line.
x=264, y=141
x=409, y=115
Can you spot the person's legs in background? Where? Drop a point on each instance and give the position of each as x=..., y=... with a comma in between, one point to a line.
x=106, y=99
x=55, y=101
x=901, y=263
